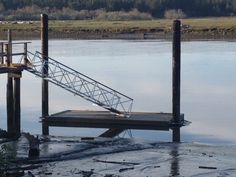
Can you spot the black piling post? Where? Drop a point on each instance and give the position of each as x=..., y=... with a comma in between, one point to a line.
x=7, y=54
x=10, y=98
x=17, y=105
x=44, y=39
x=2, y=52
x=10, y=108
x=176, y=64
x=25, y=53
x=10, y=45
x=9, y=48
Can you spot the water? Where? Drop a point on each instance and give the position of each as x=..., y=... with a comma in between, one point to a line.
x=142, y=70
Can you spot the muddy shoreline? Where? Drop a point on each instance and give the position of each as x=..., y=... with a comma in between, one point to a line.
x=206, y=34
x=73, y=156
x=222, y=28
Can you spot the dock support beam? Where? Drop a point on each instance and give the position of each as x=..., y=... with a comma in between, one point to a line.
x=44, y=39
x=176, y=64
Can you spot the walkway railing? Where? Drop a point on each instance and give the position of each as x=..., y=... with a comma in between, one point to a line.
x=80, y=84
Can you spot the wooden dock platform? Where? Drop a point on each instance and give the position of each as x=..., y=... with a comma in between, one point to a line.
x=106, y=119
x=13, y=68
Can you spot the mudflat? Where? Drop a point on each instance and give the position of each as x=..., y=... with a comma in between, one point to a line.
x=74, y=156
x=220, y=28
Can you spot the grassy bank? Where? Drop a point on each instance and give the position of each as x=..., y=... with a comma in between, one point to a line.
x=205, y=28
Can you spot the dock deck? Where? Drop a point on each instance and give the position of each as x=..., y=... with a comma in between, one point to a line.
x=106, y=119
x=12, y=68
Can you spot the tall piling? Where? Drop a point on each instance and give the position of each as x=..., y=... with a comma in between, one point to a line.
x=176, y=71
x=44, y=39
x=17, y=105
x=10, y=108
x=2, y=52
x=10, y=99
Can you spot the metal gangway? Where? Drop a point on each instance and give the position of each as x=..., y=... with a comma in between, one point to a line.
x=79, y=84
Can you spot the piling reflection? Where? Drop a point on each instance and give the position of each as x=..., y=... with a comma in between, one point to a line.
x=44, y=148
x=174, y=166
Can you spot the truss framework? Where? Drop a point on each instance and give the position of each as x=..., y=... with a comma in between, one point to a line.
x=79, y=84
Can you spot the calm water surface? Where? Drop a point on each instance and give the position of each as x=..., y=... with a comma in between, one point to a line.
x=142, y=70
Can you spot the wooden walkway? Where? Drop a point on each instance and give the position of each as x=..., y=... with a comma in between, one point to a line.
x=12, y=68
x=106, y=119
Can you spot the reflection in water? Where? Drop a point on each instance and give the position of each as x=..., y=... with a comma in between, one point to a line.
x=44, y=149
x=174, y=171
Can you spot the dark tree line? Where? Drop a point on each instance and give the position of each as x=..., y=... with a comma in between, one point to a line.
x=156, y=8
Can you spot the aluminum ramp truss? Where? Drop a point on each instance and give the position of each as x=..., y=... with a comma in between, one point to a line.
x=80, y=84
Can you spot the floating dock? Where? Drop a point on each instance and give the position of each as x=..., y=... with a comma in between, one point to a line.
x=106, y=119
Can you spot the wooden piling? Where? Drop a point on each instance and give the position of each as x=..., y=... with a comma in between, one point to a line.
x=10, y=99
x=176, y=64
x=17, y=105
x=9, y=48
x=2, y=51
x=25, y=53
x=44, y=39
x=7, y=54
x=10, y=108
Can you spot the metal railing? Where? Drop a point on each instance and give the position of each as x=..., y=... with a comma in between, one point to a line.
x=79, y=84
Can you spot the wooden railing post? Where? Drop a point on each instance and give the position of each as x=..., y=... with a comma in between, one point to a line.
x=25, y=53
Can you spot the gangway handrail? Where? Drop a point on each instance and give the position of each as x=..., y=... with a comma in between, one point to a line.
x=108, y=98
x=16, y=42
x=82, y=74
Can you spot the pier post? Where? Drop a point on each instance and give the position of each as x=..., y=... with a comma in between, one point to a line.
x=25, y=53
x=9, y=48
x=7, y=61
x=10, y=99
x=176, y=64
x=17, y=105
x=44, y=39
x=10, y=108
x=2, y=51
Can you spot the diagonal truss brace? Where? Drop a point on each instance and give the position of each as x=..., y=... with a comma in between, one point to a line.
x=80, y=84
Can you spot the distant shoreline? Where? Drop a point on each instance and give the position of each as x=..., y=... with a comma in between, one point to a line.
x=192, y=29
x=21, y=35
